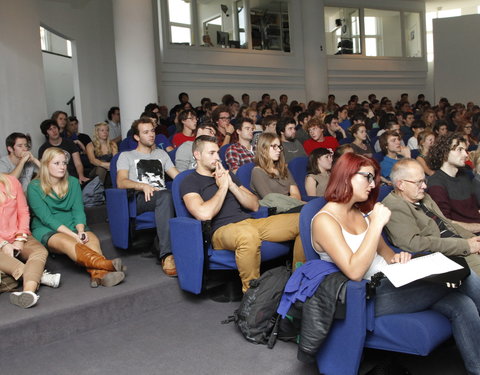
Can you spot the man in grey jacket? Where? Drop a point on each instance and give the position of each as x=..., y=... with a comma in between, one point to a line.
x=417, y=223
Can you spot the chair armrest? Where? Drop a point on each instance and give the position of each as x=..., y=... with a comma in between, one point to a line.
x=118, y=216
x=187, y=248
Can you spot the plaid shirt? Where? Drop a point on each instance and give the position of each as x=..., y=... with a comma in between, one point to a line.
x=237, y=155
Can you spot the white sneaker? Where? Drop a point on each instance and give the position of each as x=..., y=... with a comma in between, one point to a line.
x=24, y=299
x=50, y=279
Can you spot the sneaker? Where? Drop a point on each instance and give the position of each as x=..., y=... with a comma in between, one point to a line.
x=50, y=279
x=24, y=299
x=168, y=266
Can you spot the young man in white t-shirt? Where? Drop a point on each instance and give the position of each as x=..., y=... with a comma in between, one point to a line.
x=143, y=170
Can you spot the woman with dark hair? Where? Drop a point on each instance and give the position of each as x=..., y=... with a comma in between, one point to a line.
x=466, y=130
x=271, y=174
x=59, y=221
x=360, y=143
x=426, y=139
x=318, y=171
x=348, y=232
x=61, y=118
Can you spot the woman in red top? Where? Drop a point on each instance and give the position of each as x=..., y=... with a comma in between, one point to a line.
x=21, y=255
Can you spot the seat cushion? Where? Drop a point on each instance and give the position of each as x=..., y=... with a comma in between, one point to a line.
x=417, y=333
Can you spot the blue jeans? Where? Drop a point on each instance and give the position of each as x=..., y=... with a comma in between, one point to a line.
x=461, y=306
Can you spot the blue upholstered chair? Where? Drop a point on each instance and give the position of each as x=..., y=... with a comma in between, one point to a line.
x=221, y=153
x=345, y=141
x=122, y=212
x=244, y=174
x=341, y=353
x=194, y=256
x=298, y=169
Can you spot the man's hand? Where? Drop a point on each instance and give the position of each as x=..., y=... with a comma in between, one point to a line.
x=222, y=177
x=83, y=179
x=148, y=191
x=474, y=244
x=405, y=152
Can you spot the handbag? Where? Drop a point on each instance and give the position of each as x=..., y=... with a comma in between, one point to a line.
x=452, y=279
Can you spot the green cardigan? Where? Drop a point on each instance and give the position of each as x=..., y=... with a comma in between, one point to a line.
x=49, y=213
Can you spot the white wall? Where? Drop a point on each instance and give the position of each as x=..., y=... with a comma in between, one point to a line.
x=58, y=82
x=89, y=25
x=214, y=72
x=456, y=58
x=22, y=86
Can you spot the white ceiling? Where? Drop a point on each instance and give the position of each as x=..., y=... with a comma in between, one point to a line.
x=432, y=5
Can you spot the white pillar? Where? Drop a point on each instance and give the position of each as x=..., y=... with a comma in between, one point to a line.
x=315, y=54
x=135, y=57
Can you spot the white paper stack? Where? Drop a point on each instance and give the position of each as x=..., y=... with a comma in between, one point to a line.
x=401, y=274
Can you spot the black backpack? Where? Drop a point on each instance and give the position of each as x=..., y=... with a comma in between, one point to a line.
x=257, y=316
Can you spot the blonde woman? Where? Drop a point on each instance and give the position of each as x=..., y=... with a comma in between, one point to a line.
x=271, y=174
x=21, y=255
x=426, y=139
x=59, y=221
x=100, y=151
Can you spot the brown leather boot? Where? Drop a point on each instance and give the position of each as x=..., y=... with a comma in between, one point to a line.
x=104, y=278
x=91, y=259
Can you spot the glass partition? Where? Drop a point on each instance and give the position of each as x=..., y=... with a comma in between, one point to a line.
x=342, y=29
x=383, y=33
x=412, y=30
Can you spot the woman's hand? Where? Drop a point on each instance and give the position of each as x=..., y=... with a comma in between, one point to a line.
x=402, y=257
x=82, y=237
x=8, y=249
x=18, y=245
x=380, y=214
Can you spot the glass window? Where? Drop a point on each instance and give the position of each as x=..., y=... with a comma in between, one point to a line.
x=270, y=25
x=342, y=29
x=413, y=40
x=180, y=22
x=384, y=33
x=222, y=24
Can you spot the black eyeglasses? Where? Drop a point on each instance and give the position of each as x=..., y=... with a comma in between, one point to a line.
x=277, y=147
x=369, y=176
x=224, y=118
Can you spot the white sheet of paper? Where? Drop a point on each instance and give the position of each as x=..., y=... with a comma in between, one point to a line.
x=401, y=274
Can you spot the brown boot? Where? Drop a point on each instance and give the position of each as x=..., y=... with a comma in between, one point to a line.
x=104, y=278
x=91, y=259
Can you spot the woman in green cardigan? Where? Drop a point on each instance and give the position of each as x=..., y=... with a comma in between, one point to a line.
x=59, y=221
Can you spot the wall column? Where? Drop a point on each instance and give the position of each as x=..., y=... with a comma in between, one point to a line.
x=135, y=58
x=315, y=54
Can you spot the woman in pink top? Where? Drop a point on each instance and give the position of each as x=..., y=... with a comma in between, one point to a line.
x=18, y=246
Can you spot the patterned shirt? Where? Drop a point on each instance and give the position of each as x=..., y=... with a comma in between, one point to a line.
x=237, y=155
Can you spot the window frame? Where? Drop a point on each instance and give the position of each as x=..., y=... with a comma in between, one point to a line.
x=363, y=53
x=196, y=38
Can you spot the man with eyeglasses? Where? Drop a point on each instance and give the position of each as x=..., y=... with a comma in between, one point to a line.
x=450, y=187
x=188, y=121
x=416, y=222
x=225, y=131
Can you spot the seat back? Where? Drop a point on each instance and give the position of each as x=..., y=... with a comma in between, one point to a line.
x=172, y=154
x=384, y=191
x=306, y=215
x=378, y=156
x=127, y=144
x=222, y=152
x=180, y=208
x=414, y=153
x=298, y=169
x=244, y=174
x=113, y=169
x=345, y=141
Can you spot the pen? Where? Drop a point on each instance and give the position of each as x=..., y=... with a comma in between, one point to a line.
x=367, y=214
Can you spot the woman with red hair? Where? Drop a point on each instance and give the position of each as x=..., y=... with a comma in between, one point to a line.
x=348, y=232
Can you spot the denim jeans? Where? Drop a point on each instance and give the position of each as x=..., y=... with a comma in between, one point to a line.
x=461, y=306
x=162, y=204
